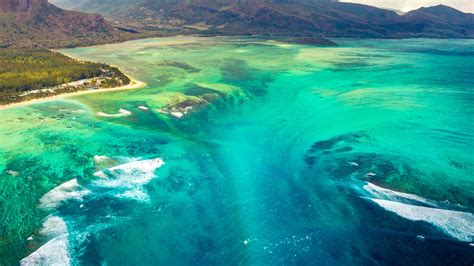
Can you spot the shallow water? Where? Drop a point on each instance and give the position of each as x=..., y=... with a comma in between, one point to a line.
x=270, y=166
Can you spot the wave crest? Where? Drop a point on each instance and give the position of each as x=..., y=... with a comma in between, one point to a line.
x=457, y=224
x=66, y=191
x=55, y=251
x=129, y=178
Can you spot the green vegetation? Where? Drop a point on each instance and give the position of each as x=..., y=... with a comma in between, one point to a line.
x=25, y=74
x=22, y=70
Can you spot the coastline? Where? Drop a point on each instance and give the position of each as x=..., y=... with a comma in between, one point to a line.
x=134, y=84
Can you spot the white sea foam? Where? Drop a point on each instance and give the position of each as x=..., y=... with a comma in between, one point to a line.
x=55, y=251
x=121, y=113
x=383, y=193
x=177, y=114
x=129, y=177
x=370, y=174
x=100, y=175
x=53, y=227
x=457, y=224
x=136, y=172
x=126, y=179
x=68, y=190
x=136, y=194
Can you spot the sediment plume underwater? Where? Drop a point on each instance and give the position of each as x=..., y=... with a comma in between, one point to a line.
x=248, y=151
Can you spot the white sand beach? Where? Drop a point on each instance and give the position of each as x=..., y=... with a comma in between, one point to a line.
x=134, y=84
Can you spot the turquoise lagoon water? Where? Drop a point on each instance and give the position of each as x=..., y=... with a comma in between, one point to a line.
x=359, y=154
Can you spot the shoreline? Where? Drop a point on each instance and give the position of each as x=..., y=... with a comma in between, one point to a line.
x=134, y=84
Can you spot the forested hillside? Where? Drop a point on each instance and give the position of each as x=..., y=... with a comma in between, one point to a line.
x=23, y=71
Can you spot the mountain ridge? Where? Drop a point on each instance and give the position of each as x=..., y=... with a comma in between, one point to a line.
x=39, y=24
x=283, y=17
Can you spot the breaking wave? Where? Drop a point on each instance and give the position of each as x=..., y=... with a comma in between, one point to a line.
x=68, y=190
x=457, y=224
x=387, y=194
x=56, y=250
x=129, y=178
x=124, y=181
x=53, y=226
x=121, y=112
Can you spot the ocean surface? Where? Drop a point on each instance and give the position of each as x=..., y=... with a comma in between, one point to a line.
x=246, y=151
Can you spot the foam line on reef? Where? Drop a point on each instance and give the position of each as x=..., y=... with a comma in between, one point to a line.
x=121, y=113
x=457, y=224
x=53, y=227
x=129, y=178
x=144, y=168
x=384, y=193
x=56, y=250
x=125, y=181
x=68, y=190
